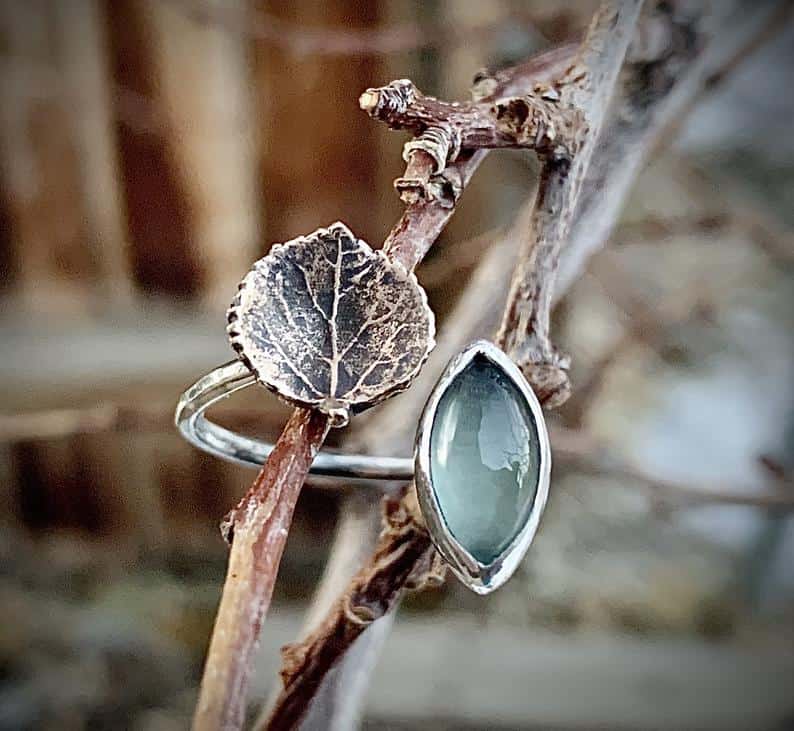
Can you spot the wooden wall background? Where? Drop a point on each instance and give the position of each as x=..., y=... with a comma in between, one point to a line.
x=150, y=150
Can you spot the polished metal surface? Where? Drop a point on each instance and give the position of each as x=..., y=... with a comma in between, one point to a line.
x=215, y=439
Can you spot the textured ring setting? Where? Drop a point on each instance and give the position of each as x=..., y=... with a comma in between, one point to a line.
x=329, y=324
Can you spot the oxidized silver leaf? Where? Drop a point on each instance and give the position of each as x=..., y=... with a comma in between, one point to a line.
x=325, y=321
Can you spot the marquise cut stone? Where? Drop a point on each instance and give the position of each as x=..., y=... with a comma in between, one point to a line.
x=484, y=459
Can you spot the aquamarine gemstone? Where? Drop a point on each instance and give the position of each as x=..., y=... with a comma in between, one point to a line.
x=484, y=459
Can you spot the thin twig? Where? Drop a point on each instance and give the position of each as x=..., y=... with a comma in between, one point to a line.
x=403, y=552
x=588, y=87
x=223, y=689
x=355, y=538
x=426, y=217
x=582, y=452
x=571, y=446
x=429, y=212
x=257, y=529
x=661, y=84
x=385, y=578
x=637, y=122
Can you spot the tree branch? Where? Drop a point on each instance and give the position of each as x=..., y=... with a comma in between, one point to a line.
x=645, y=110
x=432, y=195
x=536, y=120
x=669, y=66
x=235, y=635
x=588, y=87
x=409, y=241
x=378, y=587
x=402, y=556
x=257, y=530
x=429, y=210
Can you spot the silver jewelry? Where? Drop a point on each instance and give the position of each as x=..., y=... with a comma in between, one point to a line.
x=240, y=449
x=481, y=576
x=328, y=323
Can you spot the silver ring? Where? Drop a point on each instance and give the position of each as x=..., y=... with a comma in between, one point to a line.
x=237, y=448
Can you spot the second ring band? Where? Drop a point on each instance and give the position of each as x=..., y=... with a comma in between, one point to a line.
x=226, y=444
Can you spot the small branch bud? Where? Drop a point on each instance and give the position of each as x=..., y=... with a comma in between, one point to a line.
x=368, y=101
x=389, y=103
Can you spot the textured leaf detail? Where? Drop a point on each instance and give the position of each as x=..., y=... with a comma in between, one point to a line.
x=327, y=322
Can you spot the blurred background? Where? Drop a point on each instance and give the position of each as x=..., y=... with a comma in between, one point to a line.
x=151, y=150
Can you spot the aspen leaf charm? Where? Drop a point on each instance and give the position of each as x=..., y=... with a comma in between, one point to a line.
x=326, y=322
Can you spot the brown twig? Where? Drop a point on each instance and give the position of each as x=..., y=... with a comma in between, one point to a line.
x=429, y=211
x=588, y=88
x=306, y=663
x=585, y=453
x=659, y=82
x=257, y=529
x=433, y=197
x=662, y=82
x=442, y=129
x=403, y=553
x=223, y=688
x=404, y=549
x=571, y=446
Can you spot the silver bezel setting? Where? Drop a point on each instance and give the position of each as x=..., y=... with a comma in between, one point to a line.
x=480, y=578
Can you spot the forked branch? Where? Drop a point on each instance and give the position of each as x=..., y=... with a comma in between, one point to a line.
x=386, y=576
x=261, y=521
x=559, y=115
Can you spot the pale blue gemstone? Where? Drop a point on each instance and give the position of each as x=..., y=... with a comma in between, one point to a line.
x=484, y=459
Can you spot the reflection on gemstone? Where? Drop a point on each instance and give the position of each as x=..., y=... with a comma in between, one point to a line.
x=484, y=459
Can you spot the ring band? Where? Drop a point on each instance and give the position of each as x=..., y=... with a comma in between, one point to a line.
x=237, y=448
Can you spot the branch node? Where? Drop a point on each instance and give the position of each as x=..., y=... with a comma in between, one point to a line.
x=541, y=121
x=293, y=658
x=446, y=188
x=441, y=143
x=412, y=186
x=428, y=574
x=483, y=85
x=357, y=614
x=427, y=155
x=546, y=370
x=389, y=102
